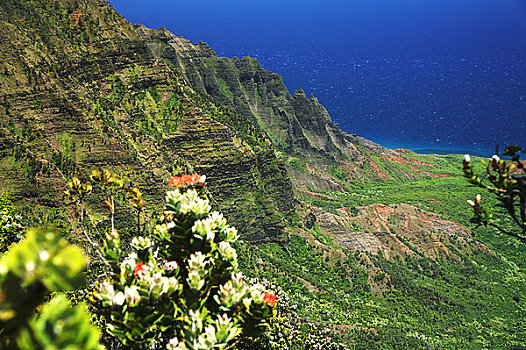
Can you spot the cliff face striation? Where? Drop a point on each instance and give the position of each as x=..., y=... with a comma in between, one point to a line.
x=80, y=89
x=298, y=126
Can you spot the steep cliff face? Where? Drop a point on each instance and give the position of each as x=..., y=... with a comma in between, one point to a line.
x=294, y=123
x=314, y=147
x=79, y=88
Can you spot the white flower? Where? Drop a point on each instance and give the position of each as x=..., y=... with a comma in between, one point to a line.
x=203, y=229
x=230, y=233
x=197, y=317
x=187, y=202
x=470, y=202
x=217, y=220
x=30, y=266
x=141, y=243
x=106, y=291
x=118, y=299
x=43, y=255
x=226, y=329
x=128, y=265
x=226, y=250
x=106, y=287
x=193, y=203
x=170, y=284
x=496, y=158
x=170, y=265
x=173, y=196
x=467, y=158
x=132, y=295
x=174, y=344
x=208, y=339
x=195, y=280
x=156, y=278
x=232, y=292
x=197, y=261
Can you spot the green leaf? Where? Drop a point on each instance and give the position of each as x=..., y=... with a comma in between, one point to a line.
x=59, y=326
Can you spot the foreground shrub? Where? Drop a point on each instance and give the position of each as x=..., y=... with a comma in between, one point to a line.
x=43, y=263
x=11, y=229
x=179, y=287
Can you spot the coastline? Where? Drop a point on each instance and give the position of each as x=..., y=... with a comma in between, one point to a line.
x=433, y=149
x=443, y=152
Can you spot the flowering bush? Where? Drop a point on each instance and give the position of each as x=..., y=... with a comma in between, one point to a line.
x=507, y=183
x=179, y=287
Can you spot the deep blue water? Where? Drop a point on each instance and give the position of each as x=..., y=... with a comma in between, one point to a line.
x=419, y=74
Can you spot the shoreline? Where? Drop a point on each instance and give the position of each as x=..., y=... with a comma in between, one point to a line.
x=443, y=152
x=422, y=149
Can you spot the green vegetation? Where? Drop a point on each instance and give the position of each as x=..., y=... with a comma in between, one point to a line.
x=43, y=263
x=474, y=301
x=179, y=288
x=11, y=229
x=80, y=87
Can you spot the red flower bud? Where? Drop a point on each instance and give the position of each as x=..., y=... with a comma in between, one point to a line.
x=140, y=269
x=170, y=265
x=187, y=180
x=269, y=299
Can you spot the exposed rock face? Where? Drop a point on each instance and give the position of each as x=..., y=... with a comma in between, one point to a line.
x=79, y=88
x=393, y=230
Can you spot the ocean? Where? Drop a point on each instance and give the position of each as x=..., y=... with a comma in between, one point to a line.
x=438, y=76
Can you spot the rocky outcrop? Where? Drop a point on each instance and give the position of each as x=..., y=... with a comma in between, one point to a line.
x=394, y=230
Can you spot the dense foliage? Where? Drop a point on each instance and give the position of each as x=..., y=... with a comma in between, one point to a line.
x=473, y=301
x=11, y=229
x=178, y=288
